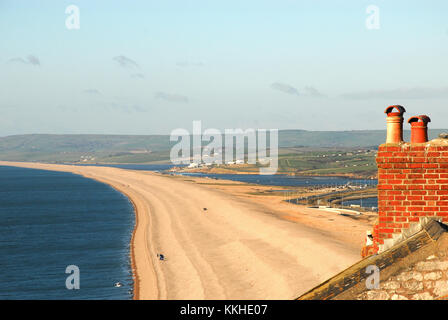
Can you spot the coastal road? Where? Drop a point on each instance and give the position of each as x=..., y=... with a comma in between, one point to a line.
x=235, y=249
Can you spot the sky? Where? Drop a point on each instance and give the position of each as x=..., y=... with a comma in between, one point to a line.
x=149, y=67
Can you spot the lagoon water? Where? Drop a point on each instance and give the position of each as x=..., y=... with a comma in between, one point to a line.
x=370, y=202
x=271, y=180
x=298, y=181
x=285, y=180
x=50, y=220
x=148, y=167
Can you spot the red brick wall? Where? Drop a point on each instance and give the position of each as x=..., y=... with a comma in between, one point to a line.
x=412, y=183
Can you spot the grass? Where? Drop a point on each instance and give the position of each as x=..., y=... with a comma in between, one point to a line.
x=351, y=162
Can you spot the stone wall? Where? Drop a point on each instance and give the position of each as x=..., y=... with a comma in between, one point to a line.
x=426, y=280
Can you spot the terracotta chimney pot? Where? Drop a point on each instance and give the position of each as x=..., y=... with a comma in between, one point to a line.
x=394, y=123
x=419, y=128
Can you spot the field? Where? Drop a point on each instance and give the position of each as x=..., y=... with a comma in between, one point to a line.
x=312, y=161
x=359, y=162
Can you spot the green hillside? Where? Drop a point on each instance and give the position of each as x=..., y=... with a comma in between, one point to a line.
x=359, y=138
x=150, y=148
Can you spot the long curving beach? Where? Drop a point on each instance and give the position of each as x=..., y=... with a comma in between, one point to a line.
x=218, y=245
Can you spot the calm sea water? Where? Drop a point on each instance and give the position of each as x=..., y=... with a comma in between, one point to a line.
x=49, y=220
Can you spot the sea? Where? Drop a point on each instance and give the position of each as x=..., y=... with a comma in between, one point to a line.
x=57, y=228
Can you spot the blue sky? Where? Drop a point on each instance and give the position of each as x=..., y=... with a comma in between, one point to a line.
x=148, y=67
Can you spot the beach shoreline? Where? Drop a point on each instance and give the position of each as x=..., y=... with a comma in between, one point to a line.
x=135, y=229
x=211, y=252
x=138, y=234
x=135, y=274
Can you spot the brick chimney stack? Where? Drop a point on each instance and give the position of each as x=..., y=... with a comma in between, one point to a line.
x=412, y=182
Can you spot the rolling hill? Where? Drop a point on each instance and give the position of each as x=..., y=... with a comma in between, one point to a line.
x=150, y=148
